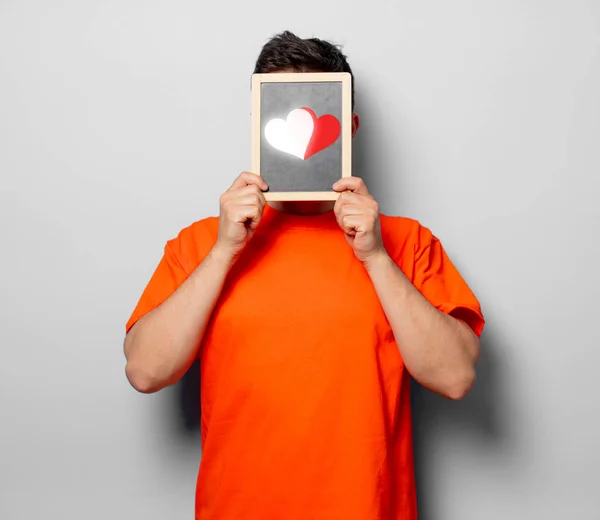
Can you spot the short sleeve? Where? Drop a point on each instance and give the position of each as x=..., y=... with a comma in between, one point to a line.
x=167, y=277
x=436, y=277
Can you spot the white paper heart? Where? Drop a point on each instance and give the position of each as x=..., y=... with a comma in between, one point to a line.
x=292, y=135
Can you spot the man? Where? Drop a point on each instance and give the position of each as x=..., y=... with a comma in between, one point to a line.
x=308, y=319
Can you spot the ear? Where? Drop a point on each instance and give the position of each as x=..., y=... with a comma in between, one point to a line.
x=355, y=124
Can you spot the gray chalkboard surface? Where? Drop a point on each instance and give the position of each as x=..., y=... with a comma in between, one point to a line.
x=301, y=133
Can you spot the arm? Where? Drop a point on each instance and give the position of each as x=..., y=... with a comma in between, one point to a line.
x=163, y=343
x=438, y=350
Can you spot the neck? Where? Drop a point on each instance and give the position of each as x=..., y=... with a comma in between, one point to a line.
x=303, y=207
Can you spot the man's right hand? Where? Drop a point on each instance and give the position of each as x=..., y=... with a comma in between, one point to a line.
x=241, y=208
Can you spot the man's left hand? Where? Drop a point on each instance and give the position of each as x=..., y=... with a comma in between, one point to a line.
x=357, y=213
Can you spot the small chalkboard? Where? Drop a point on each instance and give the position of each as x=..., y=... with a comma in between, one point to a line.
x=301, y=133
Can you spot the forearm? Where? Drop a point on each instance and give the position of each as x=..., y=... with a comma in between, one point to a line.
x=163, y=344
x=438, y=350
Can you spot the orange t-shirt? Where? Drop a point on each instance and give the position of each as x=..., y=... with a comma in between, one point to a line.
x=304, y=395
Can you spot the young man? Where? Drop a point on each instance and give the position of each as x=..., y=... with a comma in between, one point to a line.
x=308, y=320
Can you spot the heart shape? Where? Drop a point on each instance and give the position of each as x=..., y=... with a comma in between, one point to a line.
x=326, y=131
x=302, y=134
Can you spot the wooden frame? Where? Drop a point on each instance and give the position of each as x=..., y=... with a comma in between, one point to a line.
x=345, y=134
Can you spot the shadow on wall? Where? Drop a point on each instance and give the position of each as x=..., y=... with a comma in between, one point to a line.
x=187, y=396
x=479, y=414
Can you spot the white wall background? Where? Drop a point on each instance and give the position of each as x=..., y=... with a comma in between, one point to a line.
x=123, y=121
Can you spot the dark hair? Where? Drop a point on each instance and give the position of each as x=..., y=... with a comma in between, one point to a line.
x=287, y=51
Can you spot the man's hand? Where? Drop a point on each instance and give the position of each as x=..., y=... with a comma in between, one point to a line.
x=357, y=213
x=241, y=208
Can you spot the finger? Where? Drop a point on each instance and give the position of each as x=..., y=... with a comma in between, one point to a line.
x=346, y=199
x=356, y=199
x=367, y=216
x=242, y=195
x=353, y=224
x=251, y=189
x=355, y=184
x=249, y=179
x=243, y=214
x=350, y=209
x=251, y=199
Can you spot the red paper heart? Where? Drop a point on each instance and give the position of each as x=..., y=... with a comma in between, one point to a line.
x=326, y=131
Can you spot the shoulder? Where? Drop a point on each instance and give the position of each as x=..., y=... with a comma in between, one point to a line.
x=194, y=242
x=403, y=235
